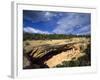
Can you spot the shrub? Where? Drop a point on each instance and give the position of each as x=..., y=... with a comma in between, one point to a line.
x=82, y=61
x=27, y=43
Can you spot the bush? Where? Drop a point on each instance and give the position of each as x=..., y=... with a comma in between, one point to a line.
x=27, y=43
x=82, y=61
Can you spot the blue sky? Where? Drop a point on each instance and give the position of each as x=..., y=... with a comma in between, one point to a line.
x=48, y=22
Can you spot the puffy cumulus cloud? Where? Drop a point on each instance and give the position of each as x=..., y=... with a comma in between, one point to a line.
x=33, y=30
x=74, y=23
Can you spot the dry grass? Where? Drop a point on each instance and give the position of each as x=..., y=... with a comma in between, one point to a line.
x=53, y=42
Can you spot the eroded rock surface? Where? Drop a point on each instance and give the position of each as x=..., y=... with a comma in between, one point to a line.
x=50, y=55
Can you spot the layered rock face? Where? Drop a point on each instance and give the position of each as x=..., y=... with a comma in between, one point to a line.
x=49, y=53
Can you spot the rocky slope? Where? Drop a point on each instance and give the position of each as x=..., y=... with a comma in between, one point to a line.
x=44, y=54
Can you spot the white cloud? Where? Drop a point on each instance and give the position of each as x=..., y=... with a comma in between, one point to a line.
x=84, y=30
x=48, y=15
x=33, y=30
x=68, y=24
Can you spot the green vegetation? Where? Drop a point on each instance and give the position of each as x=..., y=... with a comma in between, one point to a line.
x=30, y=36
x=27, y=43
x=75, y=63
